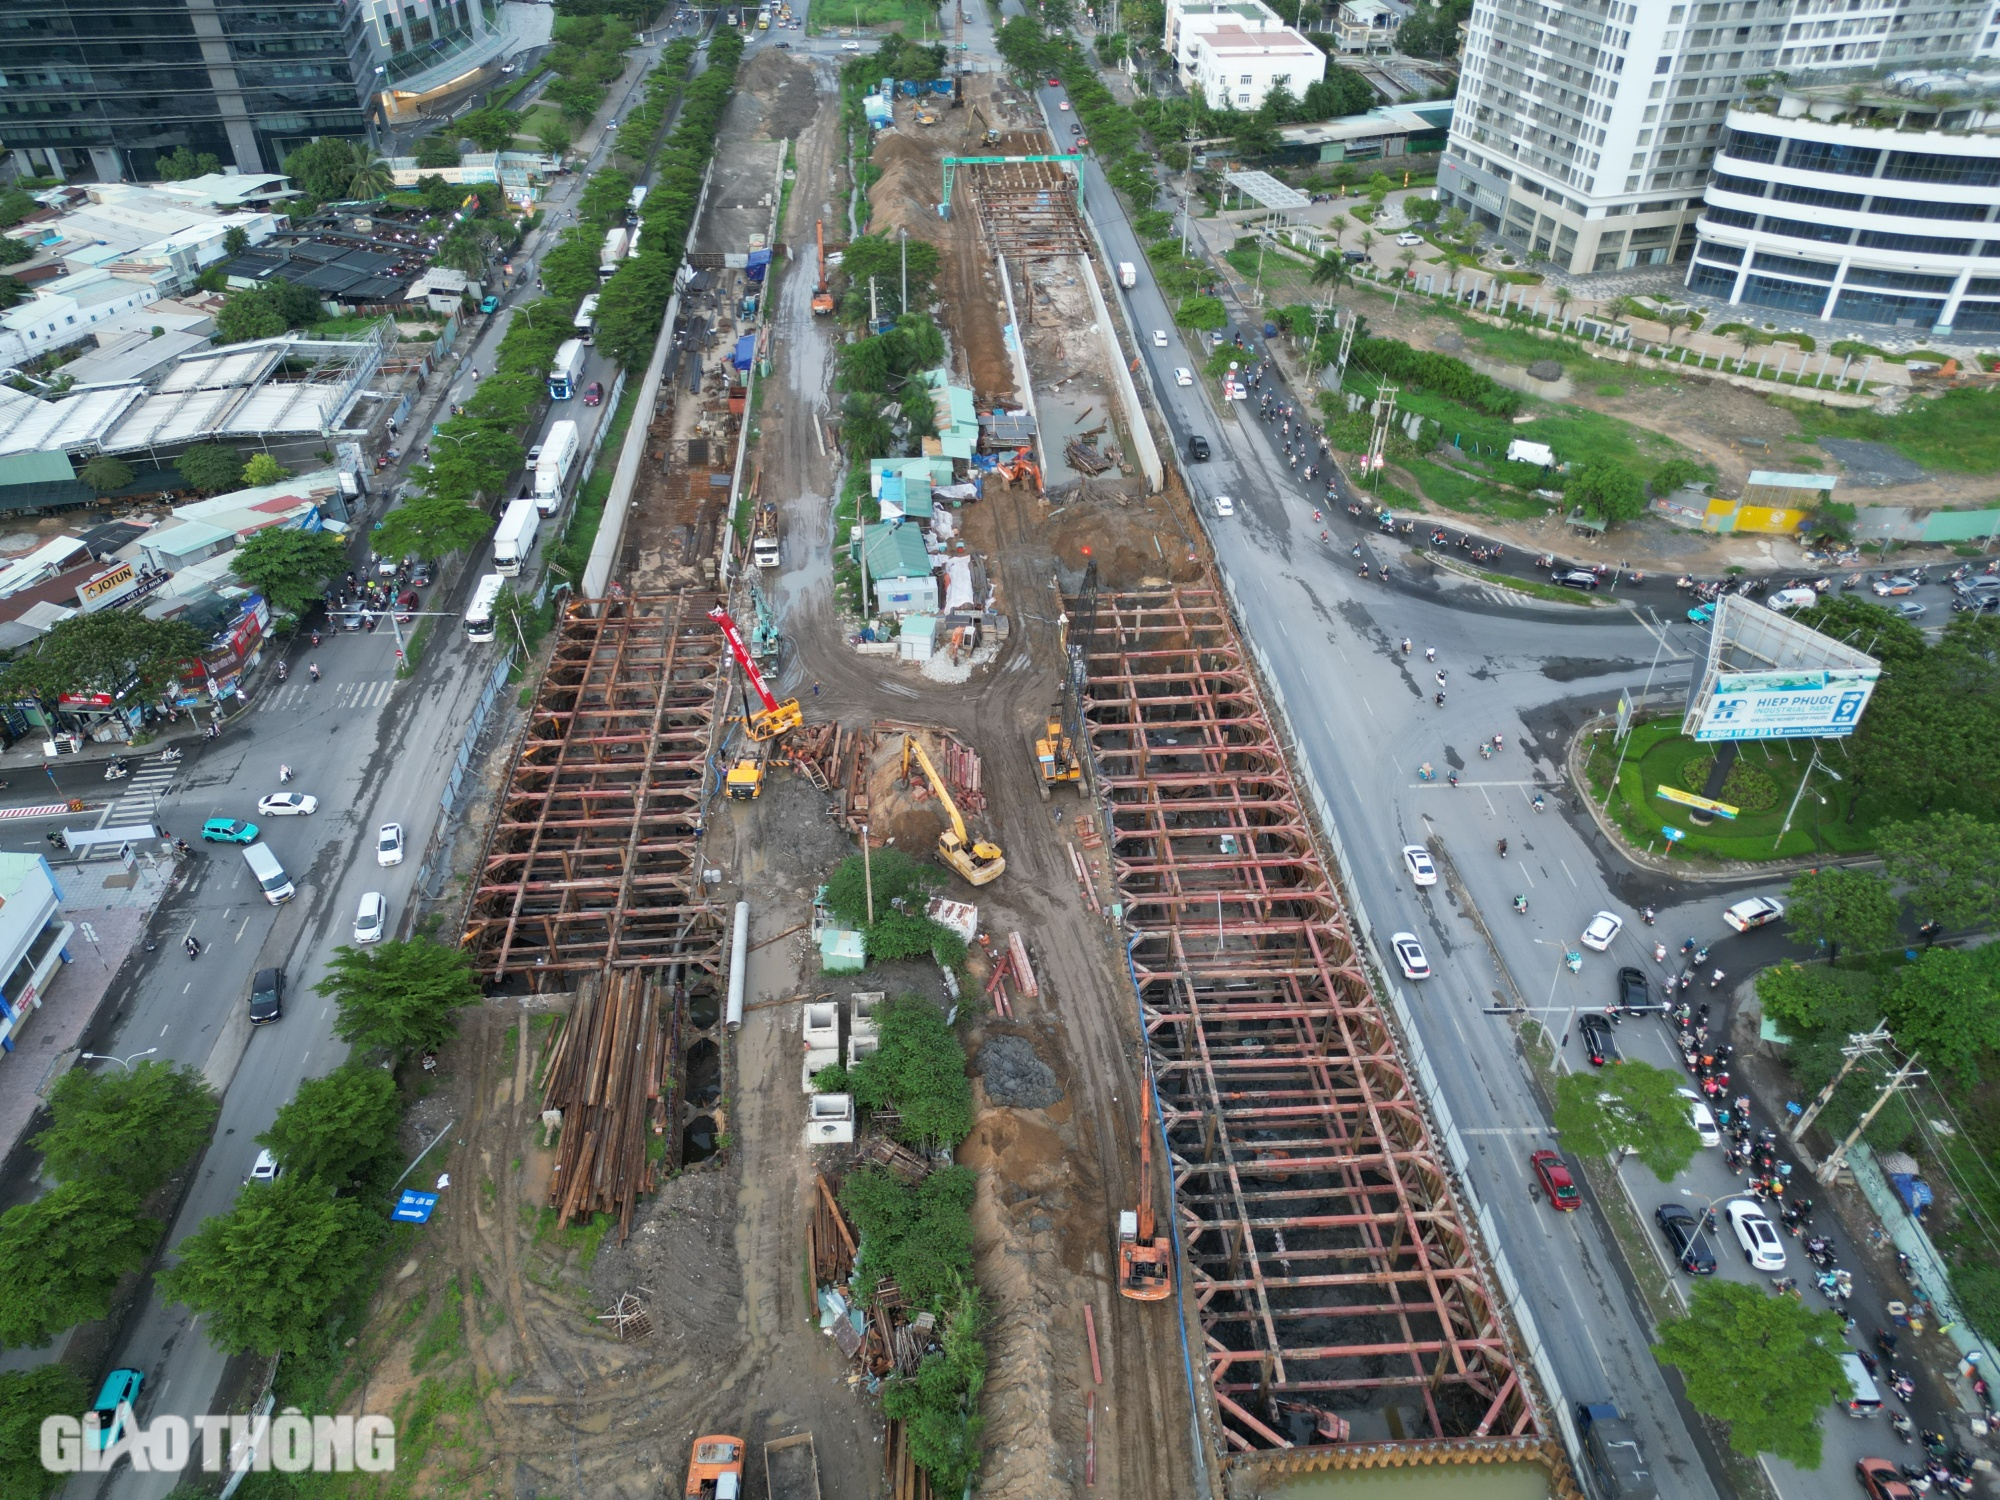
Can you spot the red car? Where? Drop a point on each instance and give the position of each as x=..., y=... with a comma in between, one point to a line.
x=1556, y=1181
x=1055, y=83
x=1882, y=1480
x=593, y=393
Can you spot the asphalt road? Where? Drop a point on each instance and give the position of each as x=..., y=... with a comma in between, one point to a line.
x=1365, y=718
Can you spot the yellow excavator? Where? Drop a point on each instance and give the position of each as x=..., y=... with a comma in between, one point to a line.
x=1145, y=1260
x=1056, y=760
x=977, y=861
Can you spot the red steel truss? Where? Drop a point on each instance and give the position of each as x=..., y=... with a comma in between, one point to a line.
x=592, y=859
x=1340, y=1293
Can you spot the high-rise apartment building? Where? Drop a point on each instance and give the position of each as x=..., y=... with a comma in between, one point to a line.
x=1585, y=129
x=101, y=89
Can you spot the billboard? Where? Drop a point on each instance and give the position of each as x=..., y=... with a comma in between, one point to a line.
x=1785, y=705
x=1766, y=676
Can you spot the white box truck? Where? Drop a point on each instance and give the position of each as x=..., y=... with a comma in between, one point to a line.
x=516, y=537
x=559, y=449
x=1128, y=275
x=613, y=253
x=566, y=371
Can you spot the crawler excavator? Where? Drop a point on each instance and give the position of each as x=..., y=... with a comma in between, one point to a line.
x=822, y=295
x=1056, y=760
x=1145, y=1261
x=976, y=861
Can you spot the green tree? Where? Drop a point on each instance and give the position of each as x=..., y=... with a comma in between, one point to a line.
x=469, y=459
x=1609, y=492
x=435, y=151
x=1331, y=270
x=553, y=137
x=116, y=651
x=322, y=167
x=14, y=251
x=180, y=164
x=63, y=1255
x=1951, y=863
x=262, y=469
x=1203, y=313
x=105, y=474
x=235, y=240
x=289, y=567
x=898, y=880
x=369, y=177
x=1946, y=1006
x=1768, y=1366
x=1842, y=906
x=212, y=468
x=1633, y=1107
x=919, y=1071
x=400, y=995
x=467, y=248
x=1676, y=473
x=918, y=1236
x=432, y=526
x=881, y=256
x=134, y=1127
x=12, y=291
x=1673, y=319
x=491, y=128
x=1802, y=1000
x=265, y=1274
x=338, y=1128
x=248, y=313
x=27, y=1396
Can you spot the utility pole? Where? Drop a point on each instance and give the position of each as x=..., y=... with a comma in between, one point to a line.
x=874, y=317
x=1346, y=345
x=1860, y=1044
x=1827, y=1170
x=903, y=244
x=1385, y=411
x=867, y=875
x=1187, y=189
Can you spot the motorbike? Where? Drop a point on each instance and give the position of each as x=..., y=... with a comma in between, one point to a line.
x=1648, y=915
x=1574, y=960
x=1521, y=905
x=170, y=755
x=116, y=771
x=1904, y=1429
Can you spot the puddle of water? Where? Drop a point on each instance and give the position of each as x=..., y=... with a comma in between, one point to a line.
x=1069, y=413
x=698, y=1140
x=1445, y=1482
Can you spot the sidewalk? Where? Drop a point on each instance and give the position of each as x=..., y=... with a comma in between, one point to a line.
x=116, y=917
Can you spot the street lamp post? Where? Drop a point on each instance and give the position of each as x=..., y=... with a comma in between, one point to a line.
x=123, y=1062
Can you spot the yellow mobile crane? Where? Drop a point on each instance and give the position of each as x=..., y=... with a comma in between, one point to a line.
x=979, y=862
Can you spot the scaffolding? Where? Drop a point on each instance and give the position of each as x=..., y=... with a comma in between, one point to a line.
x=1347, y=1318
x=592, y=861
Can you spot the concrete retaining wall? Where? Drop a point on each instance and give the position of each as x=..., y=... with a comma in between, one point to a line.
x=1144, y=449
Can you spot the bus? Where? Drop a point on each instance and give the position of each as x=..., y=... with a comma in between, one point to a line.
x=479, y=622
x=586, y=320
x=764, y=19
x=636, y=202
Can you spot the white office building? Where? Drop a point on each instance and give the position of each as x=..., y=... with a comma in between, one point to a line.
x=1868, y=207
x=1585, y=129
x=1234, y=53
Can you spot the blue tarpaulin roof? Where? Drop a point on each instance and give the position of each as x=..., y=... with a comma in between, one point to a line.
x=746, y=350
x=759, y=259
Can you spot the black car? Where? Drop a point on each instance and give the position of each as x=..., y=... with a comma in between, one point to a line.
x=267, y=996
x=1597, y=1038
x=1198, y=449
x=1633, y=991
x=1683, y=1232
x=1578, y=578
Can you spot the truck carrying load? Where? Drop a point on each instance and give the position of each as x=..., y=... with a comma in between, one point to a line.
x=764, y=543
x=552, y=470
x=1128, y=274
x=516, y=537
x=1612, y=1448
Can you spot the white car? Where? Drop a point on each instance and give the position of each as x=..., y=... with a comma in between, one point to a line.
x=1159, y=338
x=288, y=805
x=1603, y=928
x=265, y=1169
x=1410, y=956
x=1755, y=912
x=850, y=46
x=1224, y=506
x=1407, y=238
x=1702, y=1118
x=1063, y=105
x=1183, y=377
x=1418, y=860
x=389, y=844
x=370, y=918
x=1757, y=1235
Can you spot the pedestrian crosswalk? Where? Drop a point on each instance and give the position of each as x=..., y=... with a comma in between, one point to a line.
x=142, y=792
x=302, y=694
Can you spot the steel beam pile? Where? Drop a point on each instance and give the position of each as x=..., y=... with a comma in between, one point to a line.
x=1028, y=209
x=1341, y=1295
x=592, y=860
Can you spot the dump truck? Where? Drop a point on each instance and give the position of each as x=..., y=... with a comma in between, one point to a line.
x=1612, y=1448
x=715, y=1468
x=1128, y=275
x=764, y=541
x=791, y=1468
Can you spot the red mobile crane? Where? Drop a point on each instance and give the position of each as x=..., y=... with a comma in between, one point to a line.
x=775, y=718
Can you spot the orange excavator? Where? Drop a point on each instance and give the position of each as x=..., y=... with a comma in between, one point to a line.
x=775, y=718
x=822, y=297
x=715, y=1468
x=1145, y=1262
x=1021, y=465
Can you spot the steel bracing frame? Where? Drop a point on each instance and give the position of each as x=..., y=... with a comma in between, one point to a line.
x=592, y=861
x=1321, y=1242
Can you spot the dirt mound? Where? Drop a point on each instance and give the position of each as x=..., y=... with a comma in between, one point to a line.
x=905, y=196
x=784, y=86
x=1015, y=1077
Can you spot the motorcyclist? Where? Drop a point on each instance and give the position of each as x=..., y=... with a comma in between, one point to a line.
x=314, y=670
x=1503, y=848
x=1521, y=905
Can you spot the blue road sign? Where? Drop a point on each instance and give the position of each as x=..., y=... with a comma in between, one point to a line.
x=414, y=1207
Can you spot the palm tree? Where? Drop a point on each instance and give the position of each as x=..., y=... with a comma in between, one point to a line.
x=1406, y=260
x=1367, y=240
x=1564, y=296
x=467, y=248
x=1330, y=270
x=371, y=177
x=1673, y=319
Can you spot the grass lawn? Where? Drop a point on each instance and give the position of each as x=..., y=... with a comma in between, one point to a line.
x=1958, y=431
x=1657, y=755
x=534, y=120
x=909, y=15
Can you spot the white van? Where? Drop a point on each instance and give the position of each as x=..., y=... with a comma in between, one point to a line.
x=271, y=876
x=1865, y=1400
x=1793, y=598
